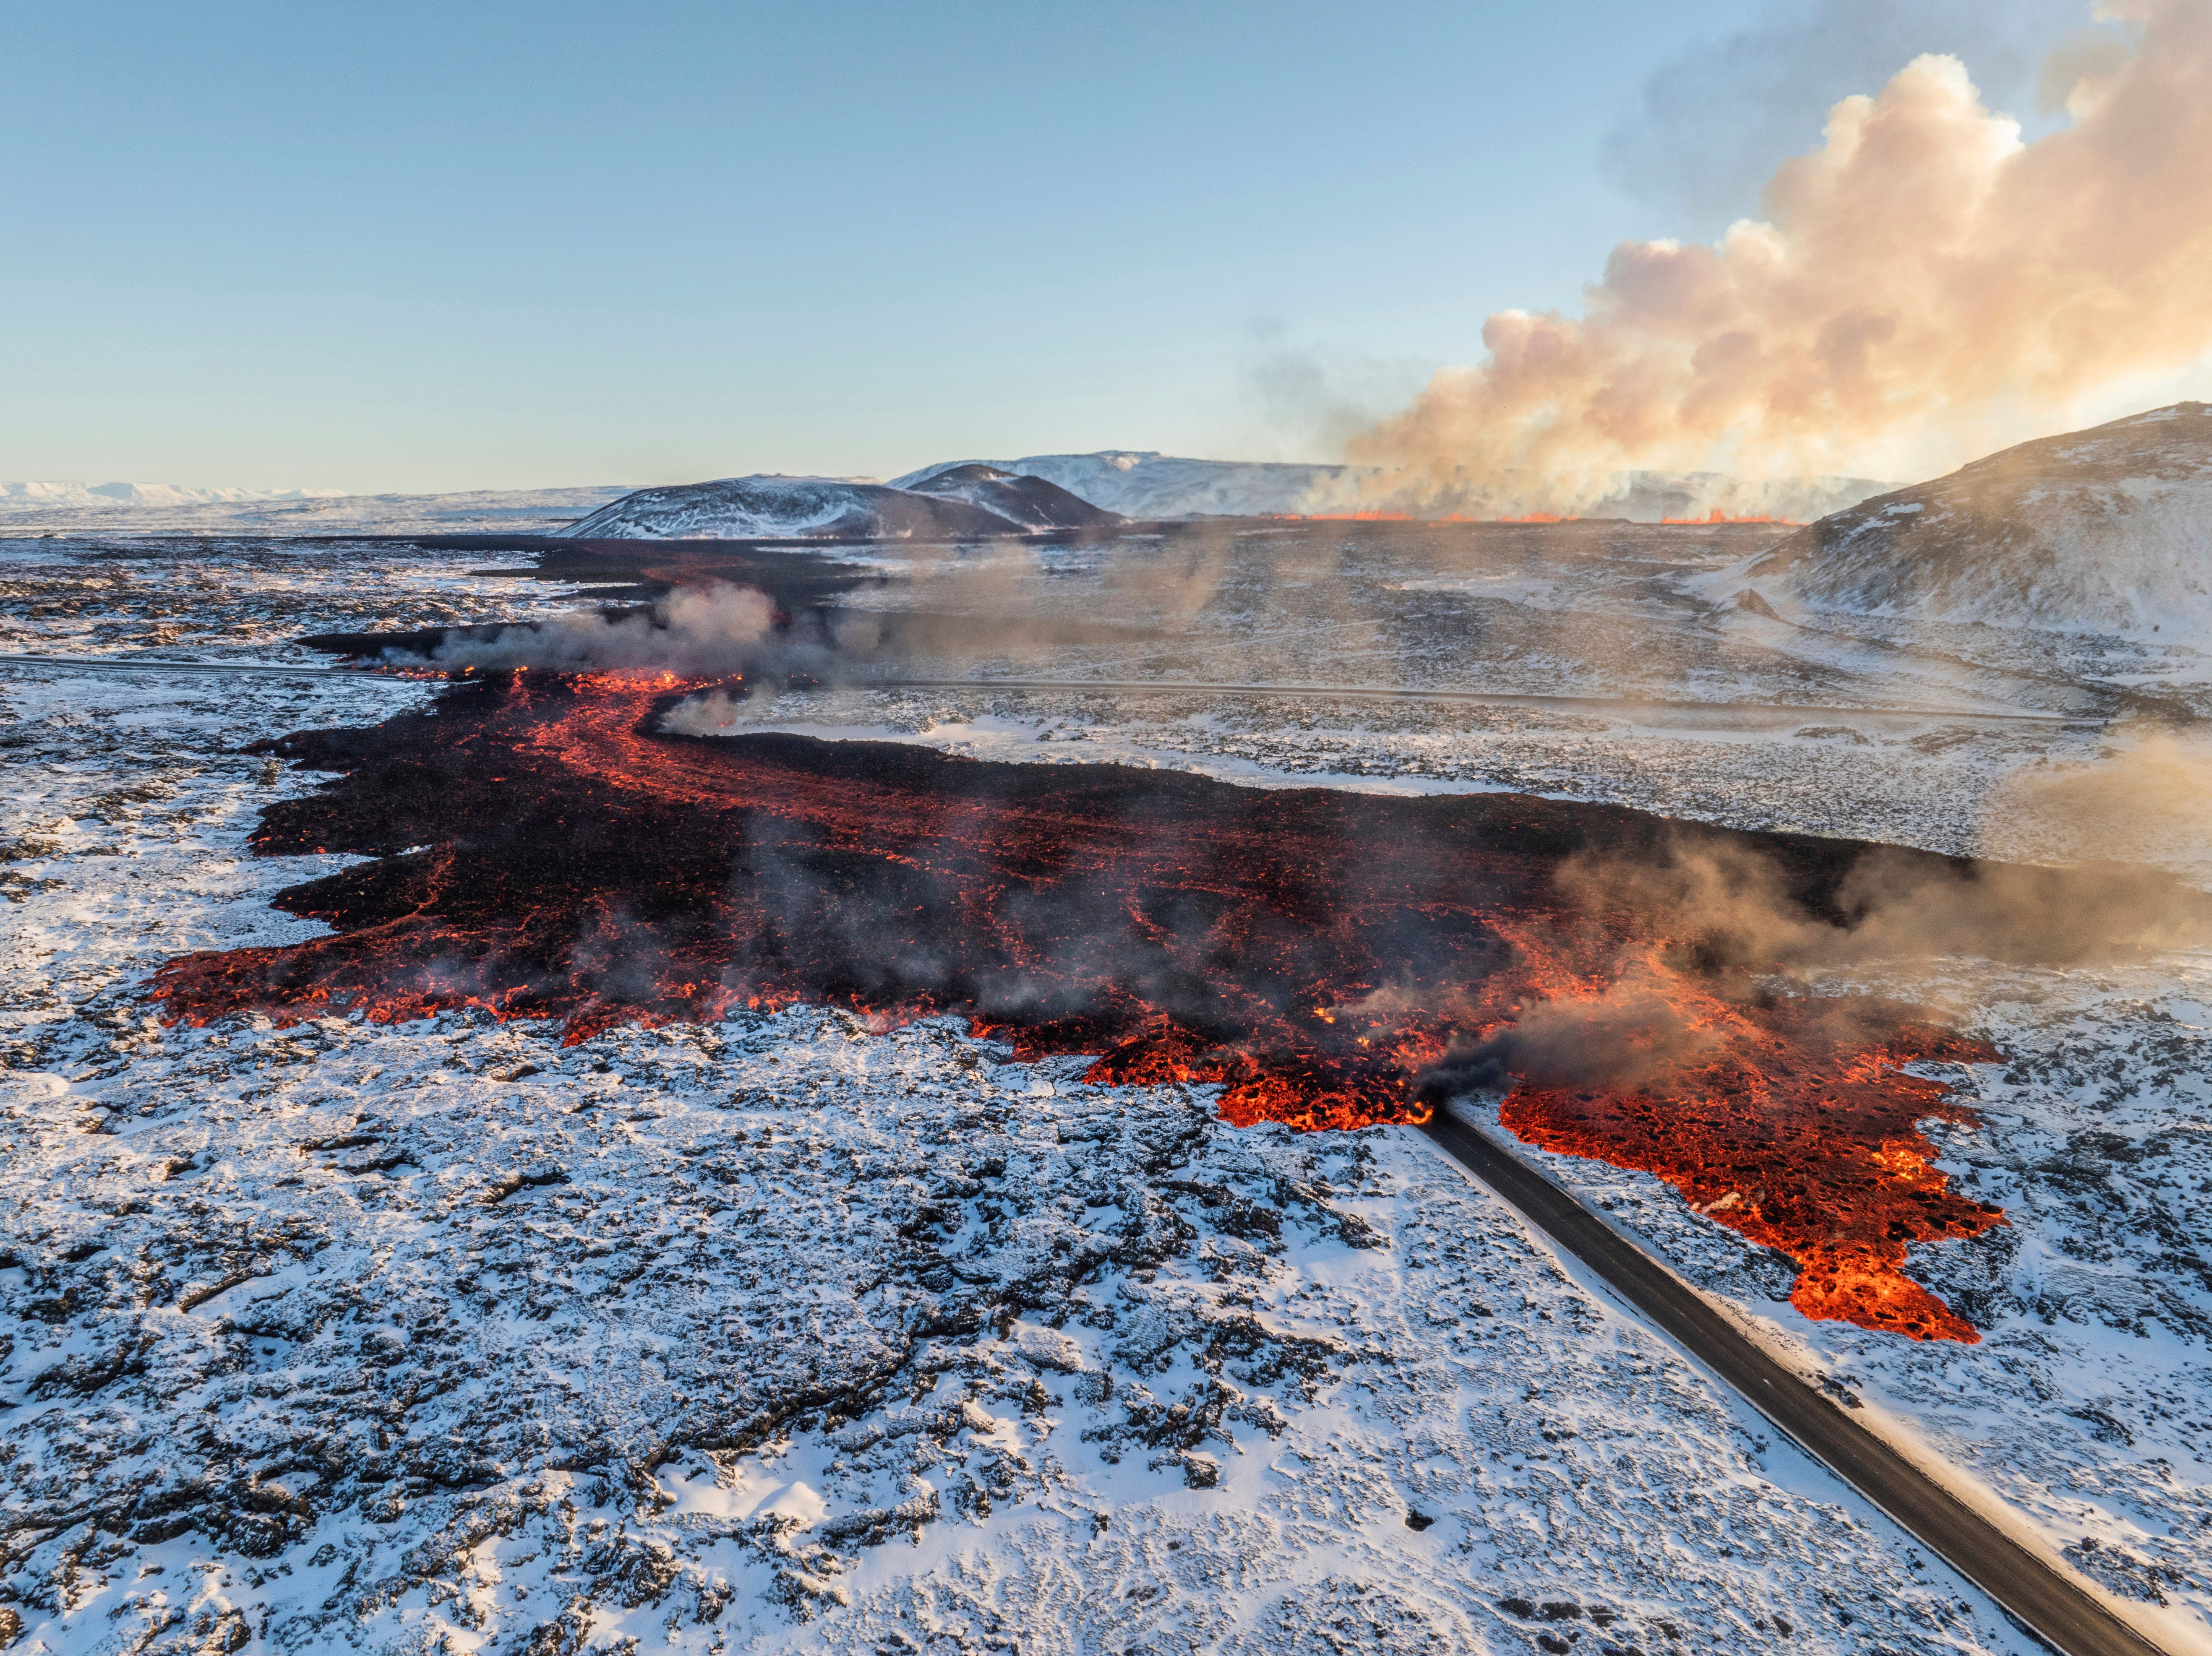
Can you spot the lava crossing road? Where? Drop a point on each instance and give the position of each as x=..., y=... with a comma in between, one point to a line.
x=2057, y=1611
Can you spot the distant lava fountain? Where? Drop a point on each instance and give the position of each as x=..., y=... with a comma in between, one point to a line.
x=1327, y=958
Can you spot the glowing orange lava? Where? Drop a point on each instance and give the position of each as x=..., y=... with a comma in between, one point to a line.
x=1754, y=1136
x=1717, y=516
x=1315, y=953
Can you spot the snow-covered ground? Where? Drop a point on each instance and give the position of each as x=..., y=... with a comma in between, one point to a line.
x=2086, y=1410
x=785, y=1334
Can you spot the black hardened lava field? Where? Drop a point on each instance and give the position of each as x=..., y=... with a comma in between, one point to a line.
x=1331, y=959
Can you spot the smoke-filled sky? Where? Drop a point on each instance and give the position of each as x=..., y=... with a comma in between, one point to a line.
x=429, y=247
x=1929, y=284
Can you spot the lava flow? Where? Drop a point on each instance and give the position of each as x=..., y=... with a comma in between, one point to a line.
x=1329, y=959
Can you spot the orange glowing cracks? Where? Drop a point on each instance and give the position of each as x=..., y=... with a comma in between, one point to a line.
x=539, y=850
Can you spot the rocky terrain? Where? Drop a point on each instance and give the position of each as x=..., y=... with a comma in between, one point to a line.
x=780, y=1333
x=1047, y=491
x=790, y=1334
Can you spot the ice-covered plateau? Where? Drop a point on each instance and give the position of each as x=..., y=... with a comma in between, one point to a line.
x=788, y=1333
x=2104, y=530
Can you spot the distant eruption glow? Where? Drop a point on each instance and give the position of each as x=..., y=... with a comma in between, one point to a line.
x=1922, y=287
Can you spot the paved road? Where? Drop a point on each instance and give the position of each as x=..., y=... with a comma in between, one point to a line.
x=2049, y=1603
x=154, y=664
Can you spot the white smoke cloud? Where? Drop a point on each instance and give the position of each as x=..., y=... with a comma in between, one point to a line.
x=1922, y=287
x=720, y=627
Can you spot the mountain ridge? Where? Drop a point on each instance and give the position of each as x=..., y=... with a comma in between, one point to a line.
x=775, y=506
x=2107, y=529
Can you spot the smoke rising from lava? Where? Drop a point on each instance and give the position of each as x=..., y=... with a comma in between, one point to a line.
x=717, y=628
x=1633, y=1036
x=1732, y=908
x=1920, y=287
x=713, y=628
x=2148, y=800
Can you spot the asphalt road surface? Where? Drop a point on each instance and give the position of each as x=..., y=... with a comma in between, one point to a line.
x=2042, y=1598
x=155, y=664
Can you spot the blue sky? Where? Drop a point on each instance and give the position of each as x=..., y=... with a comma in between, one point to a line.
x=416, y=246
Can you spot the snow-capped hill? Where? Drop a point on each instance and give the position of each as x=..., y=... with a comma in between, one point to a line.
x=2108, y=529
x=1030, y=502
x=1149, y=485
x=777, y=507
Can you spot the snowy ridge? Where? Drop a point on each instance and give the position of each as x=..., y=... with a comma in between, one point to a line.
x=1051, y=491
x=163, y=508
x=2104, y=530
x=99, y=496
x=777, y=507
x=1144, y=483
x=1028, y=502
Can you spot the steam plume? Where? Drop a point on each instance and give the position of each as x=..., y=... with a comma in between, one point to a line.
x=1921, y=285
x=720, y=627
x=2148, y=801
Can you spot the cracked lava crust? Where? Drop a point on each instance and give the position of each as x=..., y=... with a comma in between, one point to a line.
x=543, y=850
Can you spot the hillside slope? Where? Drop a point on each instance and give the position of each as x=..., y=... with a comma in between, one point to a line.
x=1028, y=501
x=774, y=508
x=2107, y=531
x=1142, y=483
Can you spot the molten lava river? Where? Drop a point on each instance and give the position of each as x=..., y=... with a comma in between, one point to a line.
x=1327, y=958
